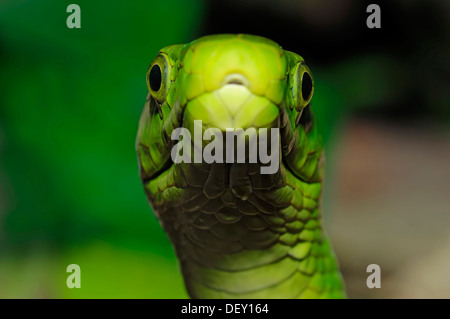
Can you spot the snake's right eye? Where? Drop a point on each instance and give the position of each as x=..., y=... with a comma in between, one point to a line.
x=157, y=75
x=155, y=78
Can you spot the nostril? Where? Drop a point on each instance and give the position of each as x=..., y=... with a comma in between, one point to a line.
x=235, y=78
x=236, y=81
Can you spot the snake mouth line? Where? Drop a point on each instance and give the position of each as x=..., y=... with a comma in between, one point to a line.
x=283, y=146
x=166, y=166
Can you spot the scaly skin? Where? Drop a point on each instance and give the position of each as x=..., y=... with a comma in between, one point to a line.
x=239, y=233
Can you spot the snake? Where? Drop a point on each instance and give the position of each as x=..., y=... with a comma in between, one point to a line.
x=238, y=233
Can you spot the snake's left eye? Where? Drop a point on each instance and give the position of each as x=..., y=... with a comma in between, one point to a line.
x=302, y=86
x=157, y=75
x=307, y=86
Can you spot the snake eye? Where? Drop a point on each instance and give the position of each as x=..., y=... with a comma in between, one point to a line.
x=157, y=76
x=302, y=86
x=307, y=86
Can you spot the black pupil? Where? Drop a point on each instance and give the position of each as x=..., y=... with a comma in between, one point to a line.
x=155, y=78
x=306, y=86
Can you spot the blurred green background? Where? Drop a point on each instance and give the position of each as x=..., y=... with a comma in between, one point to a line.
x=69, y=108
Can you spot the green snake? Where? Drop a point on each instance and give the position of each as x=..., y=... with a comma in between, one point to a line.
x=238, y=233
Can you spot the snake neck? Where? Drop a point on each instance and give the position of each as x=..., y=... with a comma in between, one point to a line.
x=241, y=234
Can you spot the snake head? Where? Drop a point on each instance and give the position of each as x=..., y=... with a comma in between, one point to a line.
x=229, y=82
x=241, y=227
